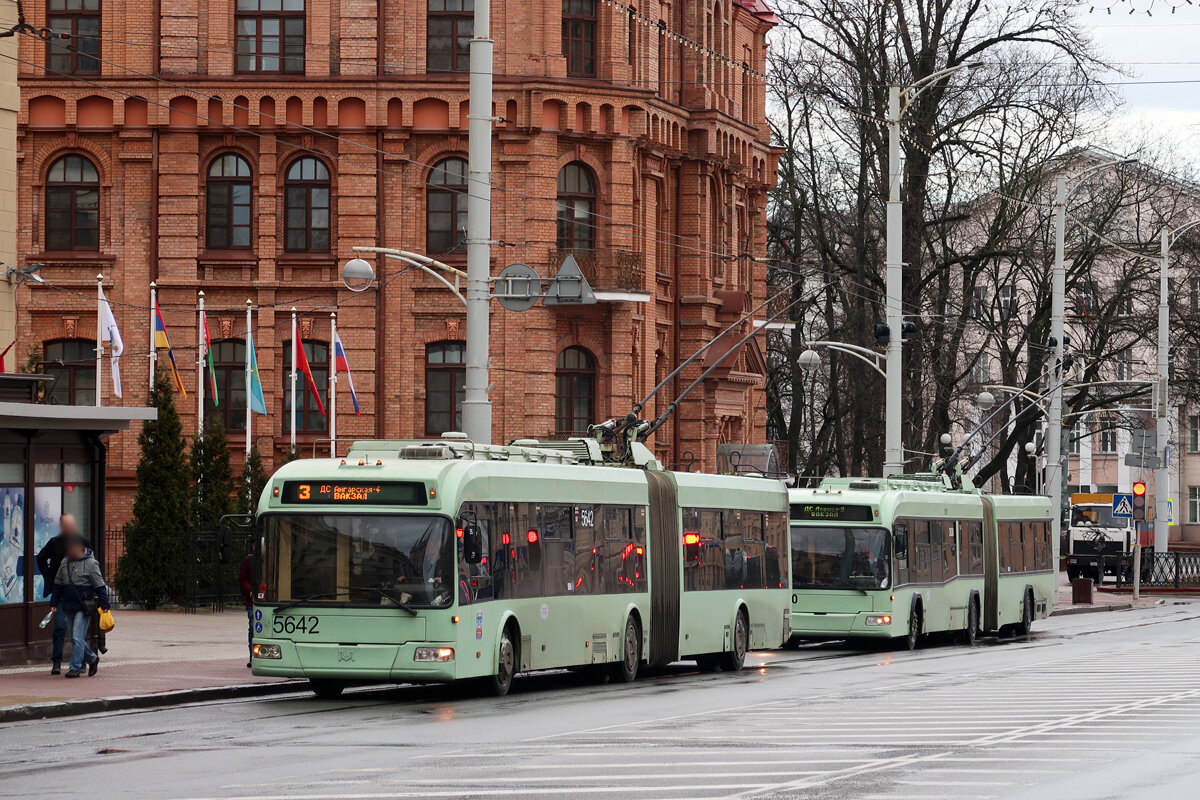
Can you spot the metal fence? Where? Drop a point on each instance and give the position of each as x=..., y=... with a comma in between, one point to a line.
x=1159, y=570
x=210, y=575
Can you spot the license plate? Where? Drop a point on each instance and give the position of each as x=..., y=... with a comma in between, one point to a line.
x=289, y=624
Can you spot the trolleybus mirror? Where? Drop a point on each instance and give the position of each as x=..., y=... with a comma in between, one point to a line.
x=472, y=543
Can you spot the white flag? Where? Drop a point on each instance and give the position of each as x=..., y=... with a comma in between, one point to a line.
x=110, y=333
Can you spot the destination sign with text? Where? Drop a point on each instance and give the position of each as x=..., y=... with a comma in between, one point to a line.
x=370, y=493
x=831, y=512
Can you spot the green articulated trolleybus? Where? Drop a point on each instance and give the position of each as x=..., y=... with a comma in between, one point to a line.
x=442, y=560
x=910, y=556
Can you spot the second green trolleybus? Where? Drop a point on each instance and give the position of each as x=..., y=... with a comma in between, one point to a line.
x=441, y=560
x=910, y=556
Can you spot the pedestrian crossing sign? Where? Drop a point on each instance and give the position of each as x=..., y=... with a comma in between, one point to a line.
x=1122, y=506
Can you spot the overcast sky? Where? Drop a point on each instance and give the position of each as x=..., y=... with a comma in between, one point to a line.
x=1142, y=44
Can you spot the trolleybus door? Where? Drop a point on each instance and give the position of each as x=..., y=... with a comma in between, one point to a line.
x=665, y=566
x=991, y=568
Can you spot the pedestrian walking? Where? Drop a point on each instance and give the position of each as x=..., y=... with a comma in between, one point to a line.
x=79, y=591
x=246, y=582
x=48, y=560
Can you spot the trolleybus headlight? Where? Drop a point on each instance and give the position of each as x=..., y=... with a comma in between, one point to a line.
x=881, y=620
x=267, y=651
x=434, y=654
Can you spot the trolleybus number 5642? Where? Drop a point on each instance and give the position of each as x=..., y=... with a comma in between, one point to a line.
x=292, y=623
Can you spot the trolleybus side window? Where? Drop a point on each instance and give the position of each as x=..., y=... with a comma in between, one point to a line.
x=946, y=553
x=1029, y=542
x=970, y=541
x=1043, y=557
x=775, y=534
x=558, y=549
x=1011, y=555
x=704, y=551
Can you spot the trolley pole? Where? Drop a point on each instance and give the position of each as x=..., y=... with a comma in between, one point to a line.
x=477, y=408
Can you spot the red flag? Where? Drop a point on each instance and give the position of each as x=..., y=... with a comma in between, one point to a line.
x=302, y=366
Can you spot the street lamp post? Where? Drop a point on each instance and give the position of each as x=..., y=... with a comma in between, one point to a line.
x=1054, y=465
x=1162, y=490
x=899, y=99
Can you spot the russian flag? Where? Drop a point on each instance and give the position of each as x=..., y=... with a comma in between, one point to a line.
x=340, y=364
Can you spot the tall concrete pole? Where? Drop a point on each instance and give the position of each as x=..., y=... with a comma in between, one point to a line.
x=893, y=459
x=1162, y=490
x=477, y=408
x=1058, y=293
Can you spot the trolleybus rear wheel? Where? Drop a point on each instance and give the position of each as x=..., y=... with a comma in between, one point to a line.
x=627, y=669
x=506, y=664
x=972, y=631
x=733, y=659
x=1027, y=616
x=325, y=688
x=914, y=629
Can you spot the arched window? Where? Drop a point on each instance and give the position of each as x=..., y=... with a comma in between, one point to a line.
x=307, y=206
x=72, y=363
x=449, y=29
x=579, y=36
x=72, y=205
x=229, y=359
x=574, y=391
x=576, y=205
x=446, y=206
x=445, y=386
x=227, y=216
x=309, y=418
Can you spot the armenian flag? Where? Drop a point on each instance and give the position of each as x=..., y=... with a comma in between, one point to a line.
x=161, y=341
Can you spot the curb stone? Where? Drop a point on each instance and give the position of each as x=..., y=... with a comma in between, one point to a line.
x=70, y=708
x=1069, y=611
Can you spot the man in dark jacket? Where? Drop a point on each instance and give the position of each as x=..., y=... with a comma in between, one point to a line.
x=48, y=560
x=246, y=583
x=78, y=590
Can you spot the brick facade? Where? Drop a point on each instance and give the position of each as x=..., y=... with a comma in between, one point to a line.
x=672, y=127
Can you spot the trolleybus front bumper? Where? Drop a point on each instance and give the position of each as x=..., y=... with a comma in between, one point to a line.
x=841, y=625
x=353, y=662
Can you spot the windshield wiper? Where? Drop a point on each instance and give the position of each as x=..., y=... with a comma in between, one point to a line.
x=382, y=593
x=302, y=600
x=848, y=585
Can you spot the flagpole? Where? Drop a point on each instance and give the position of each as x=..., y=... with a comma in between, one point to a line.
x=153, y=333
x=293, y=386
x=333, y=384
x=200, y=367
x=99, y=334
x=248, y=341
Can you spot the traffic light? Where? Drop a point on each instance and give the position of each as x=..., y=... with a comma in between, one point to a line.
x=1139, y=500
x=883, y=334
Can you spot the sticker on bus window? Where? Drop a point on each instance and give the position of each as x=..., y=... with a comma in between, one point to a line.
x=545, y=611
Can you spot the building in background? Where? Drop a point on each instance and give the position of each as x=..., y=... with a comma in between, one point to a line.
x=243, y=148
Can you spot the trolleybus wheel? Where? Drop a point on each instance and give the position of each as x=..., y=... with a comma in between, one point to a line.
x=972, y=632
x=325, y=688
x=914, y=629
x=1027, y=616
x=627, y=669
x=506, y=664
x=733, y=659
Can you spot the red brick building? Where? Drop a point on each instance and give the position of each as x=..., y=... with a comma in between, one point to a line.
x=243, y=147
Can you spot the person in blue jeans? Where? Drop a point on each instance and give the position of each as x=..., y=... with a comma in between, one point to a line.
x=48, y=560
x=79, y=590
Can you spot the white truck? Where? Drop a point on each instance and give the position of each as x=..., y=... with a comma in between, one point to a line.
x=1099, y=545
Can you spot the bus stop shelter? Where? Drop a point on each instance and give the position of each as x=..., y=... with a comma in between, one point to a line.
x=53, y=461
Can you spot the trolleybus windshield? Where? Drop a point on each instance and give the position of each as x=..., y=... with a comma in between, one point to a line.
x=361, y=560
x=840, y=558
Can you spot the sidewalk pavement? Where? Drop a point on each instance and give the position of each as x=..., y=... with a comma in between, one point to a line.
x=1103, y=599
x=154, y=658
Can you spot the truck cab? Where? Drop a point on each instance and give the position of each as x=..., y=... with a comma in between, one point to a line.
x=1098, y=543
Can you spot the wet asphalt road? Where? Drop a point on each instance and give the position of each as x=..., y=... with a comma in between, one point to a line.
x=1093, y=706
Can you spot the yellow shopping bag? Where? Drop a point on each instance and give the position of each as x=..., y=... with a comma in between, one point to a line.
x=107, y=623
